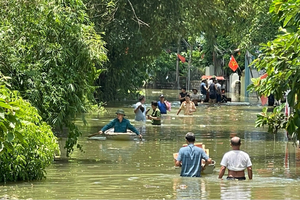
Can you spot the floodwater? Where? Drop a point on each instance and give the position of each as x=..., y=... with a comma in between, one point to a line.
x=110, y=169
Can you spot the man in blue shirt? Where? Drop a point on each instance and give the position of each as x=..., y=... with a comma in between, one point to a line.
x=190, y=158
x=120, y=124
x=162, y=106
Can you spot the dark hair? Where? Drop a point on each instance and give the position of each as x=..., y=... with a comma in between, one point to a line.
x=190, y=137
x=234, y=143
x=141, y=97
x=188, y=96
x=154, y=103
x=183, y=88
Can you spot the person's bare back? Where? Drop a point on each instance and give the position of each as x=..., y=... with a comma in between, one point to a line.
x=236, y=173
x=236, y=161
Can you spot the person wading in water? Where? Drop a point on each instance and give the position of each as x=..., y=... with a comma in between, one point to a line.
x=236, y=161
x=187, y=106
x=155, y=116
x=120, y=124
x=140, y=109
x=190, y=158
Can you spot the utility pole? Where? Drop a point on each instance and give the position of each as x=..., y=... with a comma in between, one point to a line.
x=177, y=63
x=189, y=63
x=250, y=70
x=189, y=72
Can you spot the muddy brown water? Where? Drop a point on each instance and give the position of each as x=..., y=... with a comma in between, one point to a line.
x=110, y=169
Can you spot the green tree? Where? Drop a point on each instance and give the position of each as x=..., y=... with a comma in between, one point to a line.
x=247, y=23
x=243, y=25
x=51, y=50
x=137, y=31
x=163, y=69
x=280, y=59
x=27, y=144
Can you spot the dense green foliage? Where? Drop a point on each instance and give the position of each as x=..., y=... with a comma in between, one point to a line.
x=50, y=48
x=52, y=52
x=163, y=68
x=244, y=25
x=137, y=32
x=27, y=144
x=274, y=120
x=280, y=59
x=249, y=23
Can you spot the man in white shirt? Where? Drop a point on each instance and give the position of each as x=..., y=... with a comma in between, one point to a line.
x=236, y=161
x=195, y=97
x=140, y=109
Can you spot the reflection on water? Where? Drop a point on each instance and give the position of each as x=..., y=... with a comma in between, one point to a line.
x=235, y=190
x=190, y=188
x=136, y=169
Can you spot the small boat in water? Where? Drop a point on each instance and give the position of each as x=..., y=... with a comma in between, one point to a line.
x=209, y=168
x=111, y=134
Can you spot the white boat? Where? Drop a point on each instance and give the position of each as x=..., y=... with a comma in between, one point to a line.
x=111, y=134
x=209, y=168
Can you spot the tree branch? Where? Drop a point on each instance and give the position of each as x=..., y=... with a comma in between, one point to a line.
x=140, y=22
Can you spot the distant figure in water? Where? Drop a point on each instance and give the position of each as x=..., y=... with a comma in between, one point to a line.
x=140, y=109
x=155, y=116
x=219, y=92
x=182, y=95
x=162, y=104
x=190, y=158
x=187, y=106
x=236, y=161
x=195, y=97
x=120, y=124
x=203, y=90
x=212, y=92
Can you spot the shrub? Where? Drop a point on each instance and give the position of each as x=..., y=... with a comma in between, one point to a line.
x=27, y=144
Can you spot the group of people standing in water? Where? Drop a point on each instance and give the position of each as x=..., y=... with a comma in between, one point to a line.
x=189, y=157
x=235, y=161
x=162, y=107
x=188, y=103
x=210, y=91
x=158, y=108
x=120, y=124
